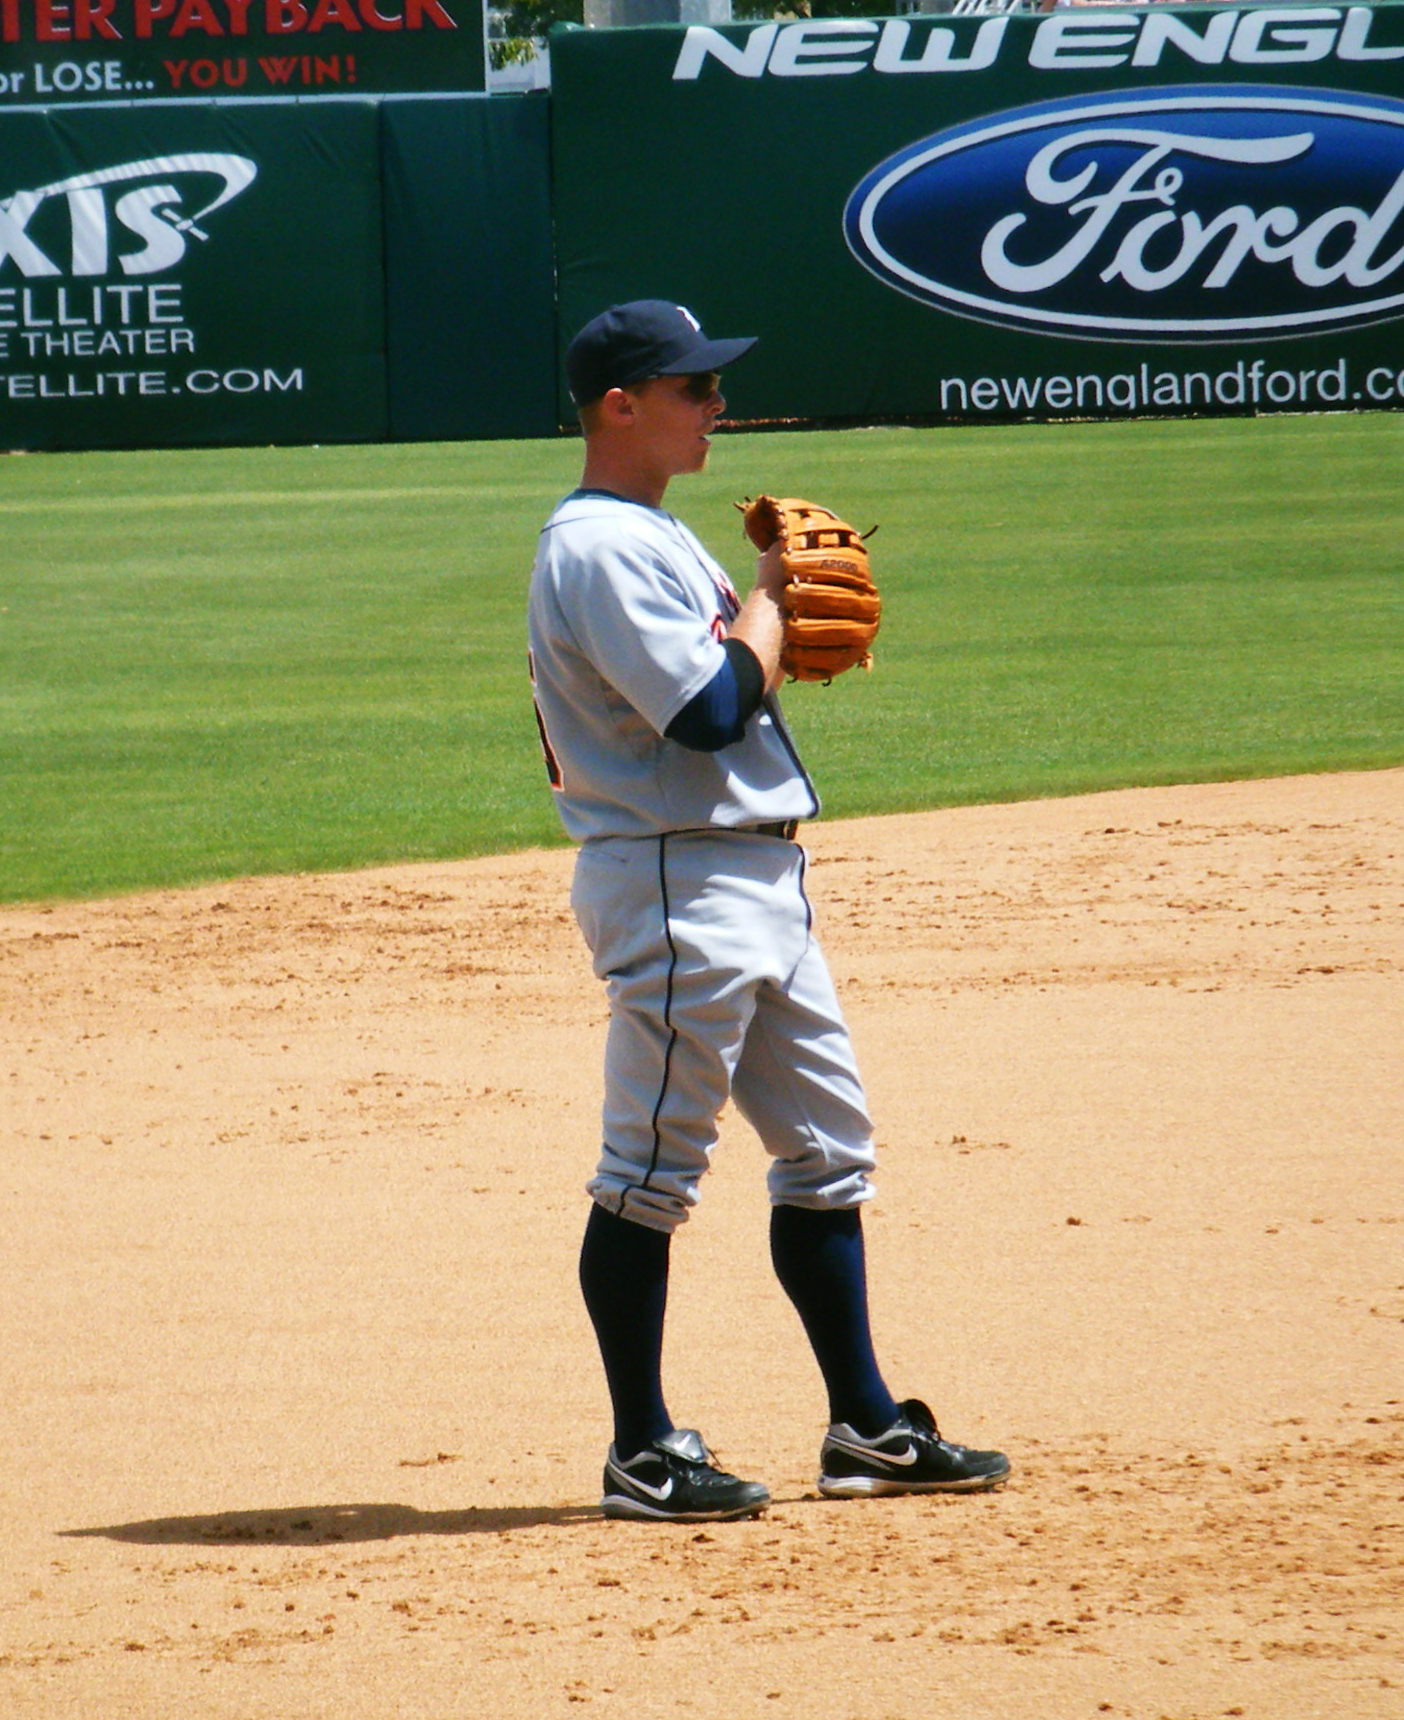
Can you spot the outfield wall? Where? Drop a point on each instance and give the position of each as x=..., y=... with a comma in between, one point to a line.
x=1090, y=213
x=1087, y=213
x=470, y=314
x=224, y=272
x=207, y=274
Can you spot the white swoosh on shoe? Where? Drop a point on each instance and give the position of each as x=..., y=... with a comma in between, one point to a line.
x=658, y=1493
x=903, y=1459
x=908, y=1456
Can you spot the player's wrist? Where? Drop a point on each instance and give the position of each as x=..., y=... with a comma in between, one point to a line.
x=771, y=576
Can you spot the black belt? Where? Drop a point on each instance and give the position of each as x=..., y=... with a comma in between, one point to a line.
x=786, y=829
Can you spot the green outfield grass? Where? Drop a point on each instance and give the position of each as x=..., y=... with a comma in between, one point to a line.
x=220, y=662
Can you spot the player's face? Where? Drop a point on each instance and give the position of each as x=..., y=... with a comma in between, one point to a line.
x=678, y=415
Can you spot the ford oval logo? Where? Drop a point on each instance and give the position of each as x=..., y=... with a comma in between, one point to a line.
x=1194, y=213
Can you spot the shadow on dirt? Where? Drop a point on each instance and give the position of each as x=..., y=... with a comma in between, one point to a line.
x=319, y=1525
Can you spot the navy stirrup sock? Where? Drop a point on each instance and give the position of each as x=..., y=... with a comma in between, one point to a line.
x=624, y=1278
x=819, y=1260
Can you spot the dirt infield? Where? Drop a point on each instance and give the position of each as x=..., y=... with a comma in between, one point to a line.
x=302, y=1419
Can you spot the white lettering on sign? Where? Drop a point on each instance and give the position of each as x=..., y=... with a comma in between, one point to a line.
x=126, y=384
x=841, y=47
x=1276, y=236
x=153, y=213
x=58, y=306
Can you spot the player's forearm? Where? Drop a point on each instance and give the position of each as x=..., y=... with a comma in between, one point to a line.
x=760, y=622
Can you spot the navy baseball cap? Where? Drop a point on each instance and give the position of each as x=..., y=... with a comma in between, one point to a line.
x=645, y=338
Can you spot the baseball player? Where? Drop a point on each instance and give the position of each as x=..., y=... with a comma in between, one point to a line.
x=655, y=690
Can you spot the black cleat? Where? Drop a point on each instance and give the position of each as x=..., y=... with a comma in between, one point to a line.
x=676, y=1481
x=909, y=1457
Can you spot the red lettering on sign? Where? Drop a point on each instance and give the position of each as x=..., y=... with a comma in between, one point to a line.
x=284, y=17
x=278, y=71
x=196, y=15
x=51, y=21
x=378, y=20
x=205, y=74
x=148, y=11
x=94, y=17
x=62, y=21
x=416, y=11
x=334, y=12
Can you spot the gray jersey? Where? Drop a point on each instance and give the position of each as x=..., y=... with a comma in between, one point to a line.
x=626, y=619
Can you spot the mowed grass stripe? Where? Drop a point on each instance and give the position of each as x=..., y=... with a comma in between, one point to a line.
x=215, y=662
x=269, y=498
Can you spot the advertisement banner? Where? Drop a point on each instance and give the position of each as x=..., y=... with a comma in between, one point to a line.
x=180, y=275
x=55, y=52
x=1086, y=213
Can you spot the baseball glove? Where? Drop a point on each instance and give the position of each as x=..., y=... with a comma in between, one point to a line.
x=832, y=608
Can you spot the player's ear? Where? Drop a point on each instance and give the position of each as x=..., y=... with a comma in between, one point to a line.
x=616, y=406
x=607, y=414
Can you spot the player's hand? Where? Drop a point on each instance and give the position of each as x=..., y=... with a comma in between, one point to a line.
x=770, y=570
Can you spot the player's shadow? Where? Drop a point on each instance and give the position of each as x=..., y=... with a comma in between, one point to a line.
x=323, y=1525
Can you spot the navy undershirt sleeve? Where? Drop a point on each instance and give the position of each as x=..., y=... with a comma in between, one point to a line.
x=717, y=716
